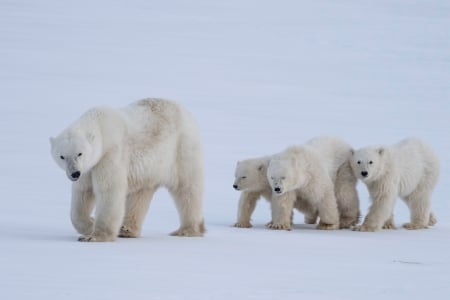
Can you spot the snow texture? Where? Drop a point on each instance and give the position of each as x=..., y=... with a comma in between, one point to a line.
x=258, y=76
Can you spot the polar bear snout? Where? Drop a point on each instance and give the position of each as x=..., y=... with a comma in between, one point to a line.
x=235, y=186
x=364, y=174
x=277, y=190
x=74, y=175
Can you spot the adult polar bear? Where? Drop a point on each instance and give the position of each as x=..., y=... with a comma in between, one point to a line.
x=410, y=170
x=318, y=172
x=117, y=158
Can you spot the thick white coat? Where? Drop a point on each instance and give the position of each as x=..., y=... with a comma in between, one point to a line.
x=251, y=181
x=317, y=172
x=118, y=158
x=409, y=170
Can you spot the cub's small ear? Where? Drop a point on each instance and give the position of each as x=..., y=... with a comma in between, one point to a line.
x=380, y=151
x=352, y=152
x=90, y=137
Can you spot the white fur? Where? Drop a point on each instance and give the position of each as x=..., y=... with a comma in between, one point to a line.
x=408, y=170
x=251, y=180
x=123, y=156
x=317, y=172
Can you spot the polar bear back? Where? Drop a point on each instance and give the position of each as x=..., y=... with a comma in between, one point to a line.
x=160, y=132
x=414, y=161
x=332, y=152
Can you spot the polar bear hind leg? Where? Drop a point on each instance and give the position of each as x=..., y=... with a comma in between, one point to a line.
x=419, y=204
x=188, y=200
x=187, y=193
x=136, y=209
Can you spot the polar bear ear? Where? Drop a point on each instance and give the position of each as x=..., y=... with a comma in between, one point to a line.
x=380, y=150
x=352, y=152
x=90, y=137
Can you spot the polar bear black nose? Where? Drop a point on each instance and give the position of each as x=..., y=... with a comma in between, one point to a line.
x=75, y=175
x=235, y=186
x=277, y=189
x=364, y=173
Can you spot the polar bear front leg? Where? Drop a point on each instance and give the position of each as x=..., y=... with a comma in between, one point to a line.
x=282, y=206
x=380, y=211
x=82, y=205
x=328, y=211
x=247, y=204
x=110, y=188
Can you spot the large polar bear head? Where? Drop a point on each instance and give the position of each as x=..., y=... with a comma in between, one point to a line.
x=75, y=152
x=368, y=163
x=250, y=175
x=284, y=175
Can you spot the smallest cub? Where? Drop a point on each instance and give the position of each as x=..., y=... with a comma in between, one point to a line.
x=409, y=170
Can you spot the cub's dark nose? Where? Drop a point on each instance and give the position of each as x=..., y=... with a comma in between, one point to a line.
x=364, y=173
x=277, y=190
x=235, y=186
x=75, y=175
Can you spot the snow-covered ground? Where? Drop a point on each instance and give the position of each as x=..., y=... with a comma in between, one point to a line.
x=259, y=76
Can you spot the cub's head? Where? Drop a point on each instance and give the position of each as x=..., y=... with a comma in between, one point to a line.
x=74, y=153
x=250, y=175
x=282, y=175
x=367, y=163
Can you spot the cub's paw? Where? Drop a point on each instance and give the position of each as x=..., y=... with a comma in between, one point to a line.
x=242, y=225
x=87, y=238
x=98, y=238
x=432, y=220
x=127, y=232
x=323, y=226
x=347, y=222
x=388, y=225
x=412, y=226
x=365, y=228
x=277, y=226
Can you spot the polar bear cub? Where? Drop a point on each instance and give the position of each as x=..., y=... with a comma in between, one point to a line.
x=318, y=172
x=251, y=181
x=409, y=170
x=118, y=158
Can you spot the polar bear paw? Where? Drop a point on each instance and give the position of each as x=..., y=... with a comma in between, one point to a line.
x=412, y=226
x=323, y=226
x=127, y=232
x=389, y=225
x=243, y=225
x=365, y=227
x=278, y=226
x=189, y=231
x=87, y=238
x=432, y=220
x=347, y=222
x=95, y=238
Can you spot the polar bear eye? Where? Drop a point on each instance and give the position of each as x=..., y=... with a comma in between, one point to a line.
x=370, y=162
x=243, y=177
x=283, y=178
x=62, y=157
x=79, y=154
x=358, y=162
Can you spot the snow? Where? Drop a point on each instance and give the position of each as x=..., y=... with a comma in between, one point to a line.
x=259, y=76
